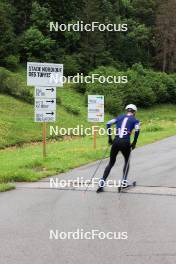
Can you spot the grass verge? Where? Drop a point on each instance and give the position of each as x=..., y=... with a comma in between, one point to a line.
x=6, y=187
x=25, y=163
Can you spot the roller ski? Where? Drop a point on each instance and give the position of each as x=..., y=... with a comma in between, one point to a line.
x=121, y=188
x=100, y=189
x=101, y=186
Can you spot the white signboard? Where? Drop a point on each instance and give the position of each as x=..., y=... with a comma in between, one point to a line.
x=44, y=74
x=45, y=104
x=96, y=99
x=95, y=108
x=45, y=116
x=45, y=92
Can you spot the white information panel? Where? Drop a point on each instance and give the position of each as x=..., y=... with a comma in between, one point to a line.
x=44, y=74
x=45, y=104
x=96, y=108
x=45, y=92
x=47, y=116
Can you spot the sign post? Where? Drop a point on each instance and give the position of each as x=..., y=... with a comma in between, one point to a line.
x=45, y=108
x=95, y=112
x=45, y=77
x=95, y=138
x=44, y=139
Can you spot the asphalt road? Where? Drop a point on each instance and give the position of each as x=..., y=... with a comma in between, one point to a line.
x=147, y=213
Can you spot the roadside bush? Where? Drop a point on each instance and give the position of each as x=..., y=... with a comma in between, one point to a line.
x=144, y=88
x=71, y=65
x=113, y=105
x=11, y=85
x=72, y=109
x=4, y=74
x=113, y=92
x=141, y=95
x=138, y=90
x=158, y=85
x=170, y=82
x=80, y=87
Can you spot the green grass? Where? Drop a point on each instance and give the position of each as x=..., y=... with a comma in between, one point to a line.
x=26, y=163
x=6, y=187
x=158, y=122
x=16, y=118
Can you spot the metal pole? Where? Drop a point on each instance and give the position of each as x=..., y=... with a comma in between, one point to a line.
x=96, y=169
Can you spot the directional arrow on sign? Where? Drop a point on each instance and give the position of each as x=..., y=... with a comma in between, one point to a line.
x=51, y=89
x=52, y=101
x=52, y=113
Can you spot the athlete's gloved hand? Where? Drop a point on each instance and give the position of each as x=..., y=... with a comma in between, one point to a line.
x=110, y=141
x=133, y=145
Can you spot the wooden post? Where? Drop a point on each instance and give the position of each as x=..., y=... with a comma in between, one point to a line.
x=95, y=138
x=44, y=139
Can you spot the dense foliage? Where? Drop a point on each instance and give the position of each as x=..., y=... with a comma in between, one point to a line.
x=13, y=85
x=141, y=53
x=150, y=39
x=144, y=88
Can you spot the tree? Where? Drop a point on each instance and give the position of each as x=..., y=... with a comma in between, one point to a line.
x=166, y=36
x=144, y=11
x=40, y=17
x=21, y=18
x=35, y=46
x=7, y=36
x=92, y=44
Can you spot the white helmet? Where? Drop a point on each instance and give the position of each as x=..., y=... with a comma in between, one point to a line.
x=131, y=106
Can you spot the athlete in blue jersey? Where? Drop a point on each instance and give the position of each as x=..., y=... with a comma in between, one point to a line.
x=124, y=127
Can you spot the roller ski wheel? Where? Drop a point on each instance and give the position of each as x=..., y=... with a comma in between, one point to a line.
x=134, y=183
x=100, y=189
x=123, y=188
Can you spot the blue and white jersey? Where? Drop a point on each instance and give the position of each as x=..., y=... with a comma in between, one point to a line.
x=125, y=125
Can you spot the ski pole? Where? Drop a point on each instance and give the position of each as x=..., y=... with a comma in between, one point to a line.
x=93, y=175
x=126, y=170
x=127, y=165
